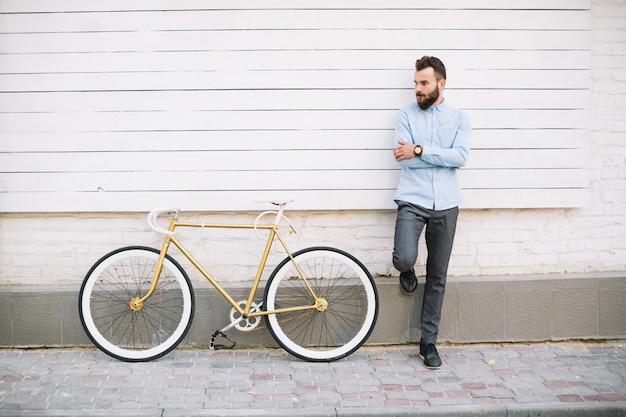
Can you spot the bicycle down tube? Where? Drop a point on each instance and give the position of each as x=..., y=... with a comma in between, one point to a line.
x=319, y=303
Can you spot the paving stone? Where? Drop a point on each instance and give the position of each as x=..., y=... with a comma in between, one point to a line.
x=373, y=381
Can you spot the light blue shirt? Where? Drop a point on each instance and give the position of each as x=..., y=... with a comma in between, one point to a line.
x=430, y=181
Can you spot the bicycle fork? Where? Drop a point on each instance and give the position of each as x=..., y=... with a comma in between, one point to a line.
x=136, y=303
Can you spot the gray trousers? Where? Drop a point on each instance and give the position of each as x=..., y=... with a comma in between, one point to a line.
x=440, y=230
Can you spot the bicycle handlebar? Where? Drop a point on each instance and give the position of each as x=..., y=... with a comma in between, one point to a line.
x=153, y=216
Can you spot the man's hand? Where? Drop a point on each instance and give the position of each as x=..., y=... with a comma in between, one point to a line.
x=404, y=151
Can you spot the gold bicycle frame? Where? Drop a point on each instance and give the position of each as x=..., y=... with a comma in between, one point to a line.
x=319, y=303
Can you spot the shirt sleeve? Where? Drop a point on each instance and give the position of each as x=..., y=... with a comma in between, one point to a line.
x=403, y=133
x=455, y=156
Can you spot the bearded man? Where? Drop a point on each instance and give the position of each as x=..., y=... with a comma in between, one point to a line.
x=431, y=141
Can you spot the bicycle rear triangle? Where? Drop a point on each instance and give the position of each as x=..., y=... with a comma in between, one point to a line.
x=137, y=303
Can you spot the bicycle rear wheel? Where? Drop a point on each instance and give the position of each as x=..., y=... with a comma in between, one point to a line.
x=340, y=329
x=121, y=332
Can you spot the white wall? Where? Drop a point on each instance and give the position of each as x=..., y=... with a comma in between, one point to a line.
x=119, y=106
x=591, y=237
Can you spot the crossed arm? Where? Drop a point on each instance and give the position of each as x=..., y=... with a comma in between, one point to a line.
x=433, y=155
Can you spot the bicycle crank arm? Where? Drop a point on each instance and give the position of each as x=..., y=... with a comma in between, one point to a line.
x=231, y=325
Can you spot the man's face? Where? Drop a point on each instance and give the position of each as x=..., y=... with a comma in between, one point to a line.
x=427, y=88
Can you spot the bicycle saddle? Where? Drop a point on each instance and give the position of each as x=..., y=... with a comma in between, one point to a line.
x=278, y=201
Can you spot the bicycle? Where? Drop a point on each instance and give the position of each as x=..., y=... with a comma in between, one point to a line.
x=320, y=304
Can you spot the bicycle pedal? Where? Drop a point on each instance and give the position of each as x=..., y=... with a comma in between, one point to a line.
x=218, y=346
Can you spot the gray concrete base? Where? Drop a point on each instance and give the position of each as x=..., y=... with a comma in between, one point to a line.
x=490, y=309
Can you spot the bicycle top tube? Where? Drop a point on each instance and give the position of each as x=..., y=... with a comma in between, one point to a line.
x=281, y=202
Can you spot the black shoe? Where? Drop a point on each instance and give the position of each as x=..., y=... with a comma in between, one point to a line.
x=408, y=281
x=430, y=357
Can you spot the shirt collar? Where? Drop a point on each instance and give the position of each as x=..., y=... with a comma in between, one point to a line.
x=441, y=106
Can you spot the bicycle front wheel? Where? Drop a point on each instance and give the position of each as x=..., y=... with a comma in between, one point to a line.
x=128, y=334
x=327, y=334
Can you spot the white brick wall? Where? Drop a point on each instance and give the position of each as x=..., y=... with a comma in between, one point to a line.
x=59, y=248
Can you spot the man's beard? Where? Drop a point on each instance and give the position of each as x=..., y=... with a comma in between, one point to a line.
x=428, y=99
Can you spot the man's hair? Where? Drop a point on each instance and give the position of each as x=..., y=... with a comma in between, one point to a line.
x=434, y=63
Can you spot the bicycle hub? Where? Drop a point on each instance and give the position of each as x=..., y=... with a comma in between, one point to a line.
x=321, y=304
x=136, y=304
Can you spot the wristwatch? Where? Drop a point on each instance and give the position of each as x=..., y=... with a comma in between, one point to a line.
x=418, y=150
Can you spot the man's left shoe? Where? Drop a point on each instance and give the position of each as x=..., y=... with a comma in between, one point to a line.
x=408, y=282
x=430, y=357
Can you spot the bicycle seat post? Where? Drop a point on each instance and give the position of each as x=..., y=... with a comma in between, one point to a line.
x=279, y=213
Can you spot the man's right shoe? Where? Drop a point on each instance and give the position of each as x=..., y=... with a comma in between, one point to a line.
x=430, y=356
x=408, y=281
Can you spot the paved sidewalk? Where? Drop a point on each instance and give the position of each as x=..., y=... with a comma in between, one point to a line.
x=556, y=379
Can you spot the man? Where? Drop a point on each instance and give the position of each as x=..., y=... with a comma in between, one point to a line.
x=432, y=140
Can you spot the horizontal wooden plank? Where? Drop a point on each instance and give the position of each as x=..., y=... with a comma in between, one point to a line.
x=233, y=180
x=388, y=59
x=285, y=180
x=202, y=120
x=527, y=158
x=45, y=6
x=284, y=160
x=531, y=139
x=194, y=141
x=458, y=78
x=530, y=119
x=203, y=201
x=248, y=160
x=199, y=19
x=537, y=178
x=270, y=140
x=526, y=198
x=274, y=120
x=246, y=40
x=343, y=99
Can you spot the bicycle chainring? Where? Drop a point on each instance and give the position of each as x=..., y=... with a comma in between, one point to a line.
x=247, y=324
